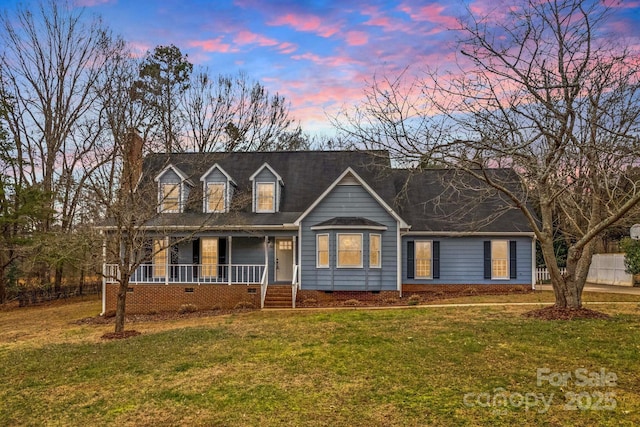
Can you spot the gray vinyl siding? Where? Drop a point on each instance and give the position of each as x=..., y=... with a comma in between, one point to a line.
x=462, y=261
x=215, y=176
x=170, y=177
x=265, y=175
x=349, y=201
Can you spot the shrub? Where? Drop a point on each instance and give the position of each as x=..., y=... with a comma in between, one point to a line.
x=243, y=304
x=187, y=308
x=390, y=301
x=414, y=299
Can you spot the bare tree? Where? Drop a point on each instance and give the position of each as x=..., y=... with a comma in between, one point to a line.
x=234, y=113
x=542, y=89
x=49, y=71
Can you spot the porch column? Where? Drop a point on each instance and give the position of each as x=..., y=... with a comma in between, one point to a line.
x=230, y=261
x=266, y=256
x=167, y=260
x=104, y=272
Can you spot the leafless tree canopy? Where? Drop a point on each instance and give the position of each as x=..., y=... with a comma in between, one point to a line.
x=541, y=88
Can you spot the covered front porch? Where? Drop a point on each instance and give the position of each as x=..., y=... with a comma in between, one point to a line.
x=216, y=259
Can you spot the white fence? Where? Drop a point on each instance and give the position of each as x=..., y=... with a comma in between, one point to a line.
x=542, y=274
x=606, y=269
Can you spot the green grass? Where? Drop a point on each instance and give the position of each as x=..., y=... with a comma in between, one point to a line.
x=328, y=368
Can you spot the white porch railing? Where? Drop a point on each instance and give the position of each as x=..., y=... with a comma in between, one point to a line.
x=543, y=275
x=192, y=273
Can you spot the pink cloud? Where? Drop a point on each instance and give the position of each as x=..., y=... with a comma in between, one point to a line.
x=212, y=45
x=356, y=38
x=247, y=37
x=431, y=13
x=307, y=23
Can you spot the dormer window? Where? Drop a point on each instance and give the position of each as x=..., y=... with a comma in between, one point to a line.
x=267, y=190
x=266, y=197
x=216, y=199
x=173, y=190
x=217, y=189
x=170, y=202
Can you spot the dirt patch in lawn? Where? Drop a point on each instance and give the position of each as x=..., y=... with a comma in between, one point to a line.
x=556, y=313
x=155, y=317
x=120, y=335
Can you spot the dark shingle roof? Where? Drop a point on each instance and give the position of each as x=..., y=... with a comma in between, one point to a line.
x=349, y=221
x=433, y=200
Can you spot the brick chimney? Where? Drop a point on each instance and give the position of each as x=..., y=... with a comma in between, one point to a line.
x=132, y=162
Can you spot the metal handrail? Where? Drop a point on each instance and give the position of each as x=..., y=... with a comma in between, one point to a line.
x=264, y=283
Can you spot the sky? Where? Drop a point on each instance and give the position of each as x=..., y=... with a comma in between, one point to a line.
x=319, y=54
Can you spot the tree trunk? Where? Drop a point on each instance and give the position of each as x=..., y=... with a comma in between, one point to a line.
x=121, y=302
x=3, y=286
x=57, y=283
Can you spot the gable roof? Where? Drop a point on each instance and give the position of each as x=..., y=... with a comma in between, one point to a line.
x=273, y=172
x=222, y=171
x=349, y=172
x=428, y=201
x=177, y=171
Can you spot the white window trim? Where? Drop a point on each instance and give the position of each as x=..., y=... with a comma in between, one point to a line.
x=508, y=273
x=338, y=250
x=318, y=265
x=415, y=259
x=379, y=265
x=224, y=195
x=162, y=199
x=256, y=193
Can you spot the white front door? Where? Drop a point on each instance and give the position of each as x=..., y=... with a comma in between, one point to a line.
x=284, y=260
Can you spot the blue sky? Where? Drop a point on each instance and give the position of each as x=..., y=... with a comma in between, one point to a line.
x=319, y=54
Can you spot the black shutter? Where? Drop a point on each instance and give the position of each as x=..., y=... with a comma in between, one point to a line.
x=436, y=260
x=196, y=251
x=411, y=270
x=513, y=260
x=487, y=259
x=222, y=250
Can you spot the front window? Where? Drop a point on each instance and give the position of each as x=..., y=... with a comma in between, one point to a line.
x=423, y=259
x=265, y=199
x=350, y=250
x=499, y=259
x=216, y=197
x=159, y=258
x=374, y=251
x=170, y=198
x=322, y=251
x=209, y=255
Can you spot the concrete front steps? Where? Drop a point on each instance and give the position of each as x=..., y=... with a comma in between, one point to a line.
x=278, y=296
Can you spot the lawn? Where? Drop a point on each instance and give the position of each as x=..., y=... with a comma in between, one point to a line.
x=418, y=366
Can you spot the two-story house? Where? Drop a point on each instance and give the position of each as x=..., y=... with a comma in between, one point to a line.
x=273, y=228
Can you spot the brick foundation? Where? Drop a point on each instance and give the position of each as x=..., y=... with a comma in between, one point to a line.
x=462, y=289
x=322, y=298
x=144, y=299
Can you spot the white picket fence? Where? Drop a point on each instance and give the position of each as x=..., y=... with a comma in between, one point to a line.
x=543, y=276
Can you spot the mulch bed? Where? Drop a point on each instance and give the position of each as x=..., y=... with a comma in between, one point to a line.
x=556, y=313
